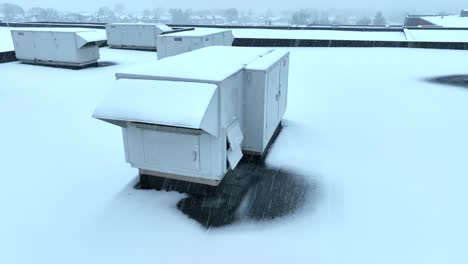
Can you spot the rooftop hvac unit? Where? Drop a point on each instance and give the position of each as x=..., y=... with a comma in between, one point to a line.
x=193, y=122
x=134, y=35
x=69, y=47
x=184, y=41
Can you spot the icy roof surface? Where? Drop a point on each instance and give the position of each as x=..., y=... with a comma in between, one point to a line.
x=181, y=104
x=435, y=35
x=197, y=32
x=266, y=60
x=385, y=149
x=448, y=21
x=211, y=64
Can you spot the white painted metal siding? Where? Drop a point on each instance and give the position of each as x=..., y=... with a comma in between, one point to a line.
x=134, y=35
x=53, y=47
x=177, y=43
x=191, y=153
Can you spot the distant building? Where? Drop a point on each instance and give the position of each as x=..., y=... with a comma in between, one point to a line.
x=438, y=21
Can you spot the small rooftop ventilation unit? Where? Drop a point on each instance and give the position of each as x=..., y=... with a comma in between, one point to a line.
x=193, y=122
x=70, y=47
x=134, y=35
x=184, y=41
x=464, y=13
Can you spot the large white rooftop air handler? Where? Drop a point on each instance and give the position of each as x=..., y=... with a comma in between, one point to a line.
x=72, y=47
x=134, y=35
x=189, y=40
x=193, y=122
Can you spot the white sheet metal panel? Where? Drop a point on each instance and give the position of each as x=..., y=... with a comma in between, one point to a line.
x=186, y=41
x=61, y=46
x=87, y=37
x=272, y=103
x=190, y=153
x=178, y=104
x=265, y=98
x=134, y=35
x=234, y=137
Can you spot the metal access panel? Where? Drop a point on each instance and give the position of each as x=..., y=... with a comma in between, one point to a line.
x=171, y=45
x=134, y=35
x=55, y=47
x=174, y=151
x=265, y=99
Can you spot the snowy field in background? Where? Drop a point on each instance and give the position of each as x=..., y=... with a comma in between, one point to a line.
x=388, y=150
x=6, y=44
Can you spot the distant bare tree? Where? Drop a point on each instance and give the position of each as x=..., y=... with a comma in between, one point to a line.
x=179, y=16
x=37, y=12
x=231, y=14
x=379, y=19
x=105, y=14
x=443, y=13
x=51, y=14
x=364, y=21
x=11, y=11
x=157, y=12
x=301, y=17
x=147, y=13
x=119, y=8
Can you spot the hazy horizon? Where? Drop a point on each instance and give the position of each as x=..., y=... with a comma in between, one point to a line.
x=431, y=6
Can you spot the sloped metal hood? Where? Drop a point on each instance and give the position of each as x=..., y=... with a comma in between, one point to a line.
x=86, y=37
x=167, y=103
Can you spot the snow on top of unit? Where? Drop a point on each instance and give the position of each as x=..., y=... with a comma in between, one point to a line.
x=437, y=35
x=214, y=64
x=197, y=32
x=319, y=34
x=267, y=60
x=161, y=26
x=181, y=104
x=164, y=27
x=44, y=29
x=448, y=21
x=6, y=43
x=92, y=36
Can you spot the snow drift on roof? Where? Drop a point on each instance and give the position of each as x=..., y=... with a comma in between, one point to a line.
x=180, y=104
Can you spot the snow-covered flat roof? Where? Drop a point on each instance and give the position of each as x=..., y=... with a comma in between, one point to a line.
x=447, y=21
x=208, y=64
x=318, y=34
x=197, y=32
x=386, y=149
x=180, y=104
x=434, y=35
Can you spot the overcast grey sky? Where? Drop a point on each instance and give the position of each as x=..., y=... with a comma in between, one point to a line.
x=134, y=5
